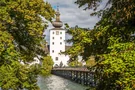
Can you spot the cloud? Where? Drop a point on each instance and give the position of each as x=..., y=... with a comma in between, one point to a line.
x=71, y=14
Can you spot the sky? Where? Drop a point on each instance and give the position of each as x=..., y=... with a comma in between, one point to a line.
x=71, y=14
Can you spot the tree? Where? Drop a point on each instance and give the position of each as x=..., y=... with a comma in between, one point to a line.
x=114, y=7
x=21, y=30
x=111, y=42
x=91, y=62
x=46, y=66
x=75, y=64
x=80, y=37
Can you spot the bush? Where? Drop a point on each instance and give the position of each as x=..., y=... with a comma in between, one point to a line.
x=46, y=65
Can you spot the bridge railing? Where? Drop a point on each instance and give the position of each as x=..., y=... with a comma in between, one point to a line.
x=80, y=75
x=74, y=69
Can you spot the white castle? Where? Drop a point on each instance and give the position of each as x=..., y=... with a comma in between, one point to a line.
x=57, y=42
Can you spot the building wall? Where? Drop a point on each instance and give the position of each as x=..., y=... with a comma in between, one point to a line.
x=57, y=45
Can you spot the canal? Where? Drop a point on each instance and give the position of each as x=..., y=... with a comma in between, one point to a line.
x=57, y=83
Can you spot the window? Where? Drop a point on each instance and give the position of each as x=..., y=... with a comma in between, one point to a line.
x=60, y=32
x=56, y=58
x=52, y=51
x=60, y=43
x=60, y=37
x=52, y=37
x=52, y=43
x=53, y=32
x=57, y=32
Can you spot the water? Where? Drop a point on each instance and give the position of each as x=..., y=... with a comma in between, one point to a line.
x=57, y=83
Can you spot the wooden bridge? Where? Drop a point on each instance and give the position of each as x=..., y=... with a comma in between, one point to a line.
x=79, y=75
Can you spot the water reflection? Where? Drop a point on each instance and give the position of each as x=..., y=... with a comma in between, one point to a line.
x=57, y=83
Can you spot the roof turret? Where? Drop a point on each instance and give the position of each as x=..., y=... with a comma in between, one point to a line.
x=57, y=23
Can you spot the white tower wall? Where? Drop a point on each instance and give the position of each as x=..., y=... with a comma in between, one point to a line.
x=57, y=45
x=57, y=42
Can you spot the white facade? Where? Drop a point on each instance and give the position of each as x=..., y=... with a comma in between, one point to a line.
x=57, y=45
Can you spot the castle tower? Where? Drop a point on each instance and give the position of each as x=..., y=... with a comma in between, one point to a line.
x=57, y=42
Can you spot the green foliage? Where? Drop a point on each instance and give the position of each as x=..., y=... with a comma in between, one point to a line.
x=75, y=64
x=21, y=30
x=80, y=39
x=90, y=62
x=117, y=68
x=17, y=76
x=46, y=66
x=119, y=10
x=111, y=42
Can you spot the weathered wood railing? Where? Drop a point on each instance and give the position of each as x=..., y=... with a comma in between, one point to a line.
x=79, y=75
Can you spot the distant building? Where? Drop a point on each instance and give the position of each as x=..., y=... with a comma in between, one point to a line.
x=57, y=42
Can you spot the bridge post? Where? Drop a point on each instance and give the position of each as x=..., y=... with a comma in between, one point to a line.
x=79, y=75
